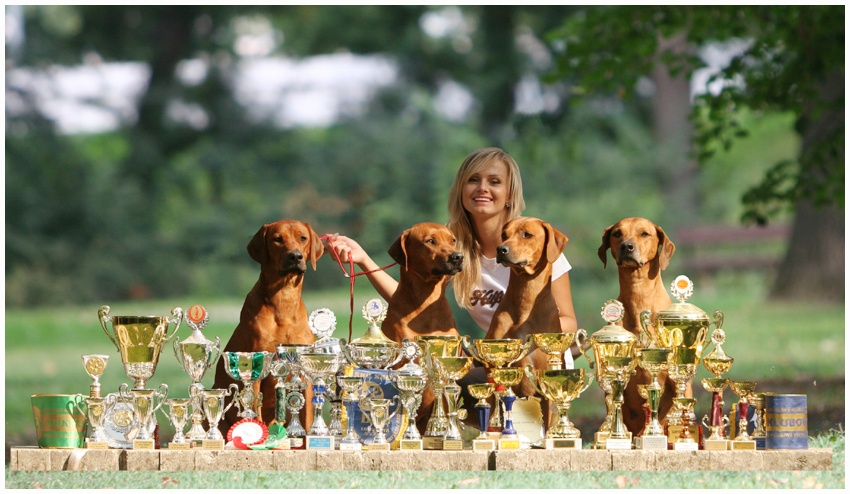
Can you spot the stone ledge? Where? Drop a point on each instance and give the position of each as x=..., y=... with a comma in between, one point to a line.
x=32, y=458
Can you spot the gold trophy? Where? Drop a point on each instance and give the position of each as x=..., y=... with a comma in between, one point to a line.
x=432, y=347
x=682, y=369
x=450, y=370
x=619, y=369
x=685, y=441
x=744, y=389
x=556, y=344
x=144, y=412
x=612, y=340
x=95, y=365
x=96, y=408
x=717, y=363
x=139, y=339
x=560, y=386
x=482, y=410
x=178, y=414
x=653, y=360
x=508, y=377
x=759, y=433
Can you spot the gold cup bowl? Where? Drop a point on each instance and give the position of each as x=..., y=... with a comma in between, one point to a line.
x=497, y=352
x=561, y=386
x=556, y=344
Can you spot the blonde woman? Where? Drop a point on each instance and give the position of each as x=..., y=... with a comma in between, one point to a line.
x=486, y=194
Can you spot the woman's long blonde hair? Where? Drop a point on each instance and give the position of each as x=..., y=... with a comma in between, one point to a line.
x=461, y=225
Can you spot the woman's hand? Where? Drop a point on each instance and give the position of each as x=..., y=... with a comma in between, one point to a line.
x=346, y=249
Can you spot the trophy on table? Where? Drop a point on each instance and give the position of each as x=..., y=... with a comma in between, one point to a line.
x=508, y=377
x=319, y=367
x=561, y=387
x=410, y=381
x=96, y=408
x=95, y=365
x=144, y=412
x=612, y=340
x=619, y=368
x=450, y=370
x=682, y=369
x=685, y=441
x=350, y=386
x=653, y=360
x=248, y=367
x=197, y=354
x=717, y=363
x=139, y=340
x=214, y=408
x=178, y=413
x=293, y=389
x=744, y=390
x=555, y=345
x=379, y=414
x=436, y=346
x=759, y=432
x=482, y=410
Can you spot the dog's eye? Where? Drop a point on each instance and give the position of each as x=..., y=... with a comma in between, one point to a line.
x=644, y=234
x=278, y=239
x=430, y=241
x=526, y=235
x=617, y=234
x=303, y=238
x=504, y=237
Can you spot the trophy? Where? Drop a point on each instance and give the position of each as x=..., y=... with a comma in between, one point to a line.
x=333, y=393
x=374, y=311
x=744, y=389
x=214, y=409
x=350, y=384
x=759, y=433
x=496, y=354
x=410, y=381
x=248, y=367
x=178, y=413
x=717, y=363
x=611, y=340
x=482, y=409
x=293, y=389
x=144, y=411
x=619, y=368
x=653, y=360
x=560, y=386
x=196, y=354
x=319, y=367
x=508, y=377
x=450, y=370
x=96, y=408
x=379, y=414
x=95, y=365
x=685, y=441
x=322, y=323
x=279, y=369
x=556, y=344
x=139, y=339
x=437, y=346
x=682, y=369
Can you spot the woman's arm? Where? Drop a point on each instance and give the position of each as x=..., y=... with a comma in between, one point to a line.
x=349, y=250
x=564, y=300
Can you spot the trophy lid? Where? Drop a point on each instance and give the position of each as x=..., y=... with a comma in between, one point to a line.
x=374, y=311
x=196, y=318
x=682, y=288
x=612, y=312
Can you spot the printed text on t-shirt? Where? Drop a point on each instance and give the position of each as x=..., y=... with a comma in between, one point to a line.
x=486, y=297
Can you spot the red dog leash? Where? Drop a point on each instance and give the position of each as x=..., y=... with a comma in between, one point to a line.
x=351, y=275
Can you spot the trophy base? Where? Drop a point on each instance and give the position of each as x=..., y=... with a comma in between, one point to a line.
x=716, y=444
x=745, y=445
x=562, y=443
x=612, y=444
x=196, y=443
x=325, y=443
x=350, y=447
x=374, y=447
x=143, y=444
x=432, y=442
x=296, y=443
x=452, y=445
x=686, y=446
x=509, y=444
x=653, y=443
x=483, y=444
x=760, y=441
x=96, y=445
x=599, y=439
x=214, y=444
x=410, y=445
x=674, y=431
x=175, y=446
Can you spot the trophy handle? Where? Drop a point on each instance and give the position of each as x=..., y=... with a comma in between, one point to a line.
x=175, y=344
x=232, y=390
x=467, y=347
x=529, y=373
x=162, y=393
x=645, y=323
x=217, y=349
x=79, y=398
x=177, y=312
x=705, y=422
x=580, y=341
x=526, y=346
x=124, y=392
x=103, y=316
x=590, y=377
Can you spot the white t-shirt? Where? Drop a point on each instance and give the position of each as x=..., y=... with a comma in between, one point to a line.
x=494, y=280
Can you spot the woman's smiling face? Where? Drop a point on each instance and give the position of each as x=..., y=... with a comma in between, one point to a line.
x=485, y=192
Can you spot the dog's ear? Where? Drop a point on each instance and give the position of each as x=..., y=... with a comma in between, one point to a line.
x=666, y=248
x=316, y=247
x=555, y=242
x=606, y=244
x=398, y=250
x=257, y=246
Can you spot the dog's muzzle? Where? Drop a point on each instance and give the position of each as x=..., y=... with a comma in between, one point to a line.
x=505, y=257
x=629, y=255
x=293, y=261
x=453, y=264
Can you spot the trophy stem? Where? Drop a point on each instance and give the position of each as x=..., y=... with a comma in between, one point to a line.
x=335, y=426
x=350, y=433
x=563, y=428
x=437, y=423
x=654, y=428
x=496, y=412
x=319, y=427
x=452, y=393
x=482, y=411
x=411, y=404
x=508, y=399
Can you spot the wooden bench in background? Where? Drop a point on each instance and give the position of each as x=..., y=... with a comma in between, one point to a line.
x=709, y=249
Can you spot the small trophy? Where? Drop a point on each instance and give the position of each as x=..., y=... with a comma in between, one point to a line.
x=717, y=363
x=620, y=369
x=561, y=387
x=653, y=360
x=144, y=411
x=293, y=390
x=451, y=369
x=759, y=433
x=482, y=410
x=685, y=441
x=95, y=365
x=432, y=347
x=555, y=345
x=508, y=377
x=214, y=409
x=319, y=367
x=96, y=408
x=178, y=413
x=743, y=441
x=379, y=414
x=248, y=367
x=350, y=384
x=410, y=381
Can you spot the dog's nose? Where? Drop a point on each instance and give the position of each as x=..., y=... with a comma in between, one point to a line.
x=503, y=250
x=296, y=256
x=627, y=247
x=456, y=257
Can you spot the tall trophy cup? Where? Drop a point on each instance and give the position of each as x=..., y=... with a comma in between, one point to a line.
x=178, y=413
x=653, y=360
x=685, y=441
x=555, y=345
x=744, y=389
x=482, y=410
x=196, y=354
x=410, y=381
x=294, y=390
x=248, y=367
x=561, y=387
x=350, y=386
x=280, y=369
x=319, y=367
x=139, y=340
x=214, y=409
x=95, y=365
x=717, y=363
x=620, y=368
x=612, y=340
x=451, y=369
x=508, y=377
x=144, y=411
x=436, y=346
x=95, y=409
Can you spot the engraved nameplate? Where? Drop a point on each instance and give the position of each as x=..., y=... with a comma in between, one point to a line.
x=213, y=444
x=742, y=445
x=143, y=444
x=693, y=446
x=320, y=442
x=377, y=447
x=483, y=445
x=563, y=443
x=452, y=445
x=716, y=444
x=350, y=447
x=431, y=442
x=618, y=443
x=509, y=444
x=410, y=445
x=97, y=445
x=653, y=443
x=178, y=445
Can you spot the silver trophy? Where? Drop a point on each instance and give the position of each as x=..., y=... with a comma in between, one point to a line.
x=410, y=381
x=144, y=409
x=196, y=354
x=214, y=409
x=319, y=367
x=350, y=386
x=96, y=408
x=248, y=367
x=178, y=413
x=295, y=386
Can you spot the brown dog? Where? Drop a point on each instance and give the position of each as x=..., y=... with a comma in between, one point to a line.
x=273, y=311
x=641, y=250
x=428, y=257
x=529, y=248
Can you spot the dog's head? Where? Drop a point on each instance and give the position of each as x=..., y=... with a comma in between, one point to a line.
x=529, y=244
x=428, y=250
x=284, y=246
x=635, y=242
